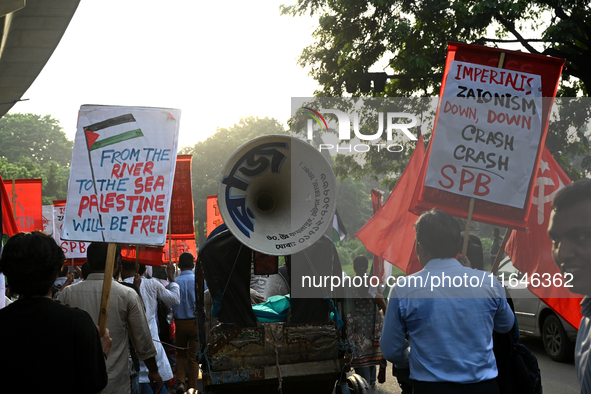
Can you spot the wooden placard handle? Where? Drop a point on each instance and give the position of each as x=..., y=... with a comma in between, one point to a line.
x=467, y=230
x=104, y=311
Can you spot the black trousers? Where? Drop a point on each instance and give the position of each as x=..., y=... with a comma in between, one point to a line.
x=486, y=387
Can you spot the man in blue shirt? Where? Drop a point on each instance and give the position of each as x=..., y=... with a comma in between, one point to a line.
x=186, y=325
x=570, y=230
x=447, y=312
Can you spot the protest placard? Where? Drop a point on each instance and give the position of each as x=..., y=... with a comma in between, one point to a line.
x=47, y=211
x=71, y=249
x=487, y=133
x=122, y=175
x=490, y=128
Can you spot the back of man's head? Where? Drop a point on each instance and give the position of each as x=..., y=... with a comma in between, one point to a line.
x=96, y=255
x=128, y=267
x=360, y=264
x=31, y=262
x=572, y=194
x=474, y=253
x=186, y=261
x=439, y=234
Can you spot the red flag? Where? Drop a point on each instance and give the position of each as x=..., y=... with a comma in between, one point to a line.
x=531, y=251
x=389, y=233
x=27, y=198
x=7, y=216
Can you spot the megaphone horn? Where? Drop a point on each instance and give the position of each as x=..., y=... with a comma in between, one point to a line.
x=277, y=194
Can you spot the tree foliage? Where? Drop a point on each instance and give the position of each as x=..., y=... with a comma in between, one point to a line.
x=410, y=37
x=34, y=146
x=37, y=137
x=210, y=156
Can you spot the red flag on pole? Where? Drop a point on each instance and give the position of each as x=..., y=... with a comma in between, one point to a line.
x=531, y=251
x=27, y=198
x=389, y=233
x=7, y=217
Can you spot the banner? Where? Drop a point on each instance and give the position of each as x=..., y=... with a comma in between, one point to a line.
x=122, y=175
x=26, y=201
x=490, y=128
x=148, y=255
x=181, y=209
x=214, y=217
x=72, y=249
x=179, y=246
x=156, y=256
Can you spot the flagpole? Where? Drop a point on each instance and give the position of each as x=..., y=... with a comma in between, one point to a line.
x=94, y=182
x=471, y=207
x=14, y=199
x=468, y=223
x=137, y=259
x=501, y=251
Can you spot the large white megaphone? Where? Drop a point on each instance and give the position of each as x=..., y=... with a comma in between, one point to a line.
x=277, y=195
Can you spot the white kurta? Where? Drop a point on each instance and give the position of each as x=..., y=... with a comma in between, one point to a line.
x=152, y=290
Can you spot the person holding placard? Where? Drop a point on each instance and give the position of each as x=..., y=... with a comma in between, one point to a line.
x=446, y=316
x=126, y=319
x=570, y=231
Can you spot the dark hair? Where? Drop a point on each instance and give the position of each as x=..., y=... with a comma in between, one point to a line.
x=439, y=234
x=475, y=253
x=86, y=270
x=186, y=261
x=127, y=266
x=360, y=264
x=159, y=272
x=572, y=194
x=96, y=254
x=31, y=262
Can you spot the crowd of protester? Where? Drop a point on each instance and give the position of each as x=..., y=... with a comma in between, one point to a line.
x=438, y=343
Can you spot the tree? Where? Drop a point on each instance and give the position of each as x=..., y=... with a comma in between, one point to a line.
x=36, y=137
x=411, y=37
x=210, y=156
x=36, y=147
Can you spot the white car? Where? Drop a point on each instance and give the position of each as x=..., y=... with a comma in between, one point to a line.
x=536, y=319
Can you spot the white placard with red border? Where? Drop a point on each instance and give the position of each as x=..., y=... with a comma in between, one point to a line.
x=488, y=133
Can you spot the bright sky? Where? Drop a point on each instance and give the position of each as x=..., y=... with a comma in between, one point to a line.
x=217, y=61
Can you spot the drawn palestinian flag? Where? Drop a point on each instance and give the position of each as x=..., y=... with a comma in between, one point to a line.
x=111, y=131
